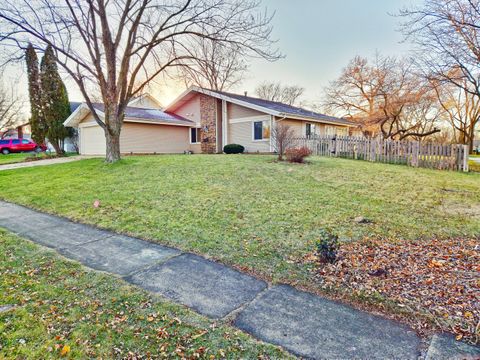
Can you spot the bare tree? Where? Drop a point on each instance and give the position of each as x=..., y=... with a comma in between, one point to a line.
x=385, y=97
x=462, y=109
x=287, y=94
x=214, y=65
x=447, y=35
x=118, y=47
x=283, y=137
x=11, y=106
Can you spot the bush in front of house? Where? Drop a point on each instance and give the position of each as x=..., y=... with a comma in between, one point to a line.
x=297, y=154
x=327, y=246
x=233, y=149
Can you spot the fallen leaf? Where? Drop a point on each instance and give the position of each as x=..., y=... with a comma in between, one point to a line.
x=65, y=350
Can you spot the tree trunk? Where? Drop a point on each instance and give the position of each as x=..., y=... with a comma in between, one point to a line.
x=113, y=127
x=58, y=148
x=113, y=146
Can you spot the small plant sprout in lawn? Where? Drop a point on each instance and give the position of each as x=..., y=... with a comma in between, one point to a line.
x=327, y=246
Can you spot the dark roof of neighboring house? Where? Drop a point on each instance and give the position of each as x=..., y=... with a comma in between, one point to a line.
x=150, y=115
x=74, y=105
x=284, y=108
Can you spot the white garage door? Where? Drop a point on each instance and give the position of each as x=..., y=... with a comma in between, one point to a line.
x=92, y=141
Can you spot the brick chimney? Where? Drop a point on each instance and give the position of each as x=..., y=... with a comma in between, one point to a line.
x=208, y=117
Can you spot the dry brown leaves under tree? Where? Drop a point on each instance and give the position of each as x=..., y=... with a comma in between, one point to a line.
x=436, y=277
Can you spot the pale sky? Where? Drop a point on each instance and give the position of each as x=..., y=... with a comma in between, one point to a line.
x=318, y=38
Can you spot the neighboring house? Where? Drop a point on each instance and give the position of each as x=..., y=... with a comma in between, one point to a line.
x=20, y=132
x=202, y=121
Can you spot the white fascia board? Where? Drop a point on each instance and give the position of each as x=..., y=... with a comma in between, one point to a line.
x=146, y=121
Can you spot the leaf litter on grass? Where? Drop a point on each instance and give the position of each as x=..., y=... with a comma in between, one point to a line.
x=440, y=278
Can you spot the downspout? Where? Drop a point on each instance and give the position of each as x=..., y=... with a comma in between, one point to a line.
x=224, y=123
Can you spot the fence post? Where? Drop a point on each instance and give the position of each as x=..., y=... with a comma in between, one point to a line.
x=373, y=149
x=465, y=158
x=334, y=143
x=415, y=153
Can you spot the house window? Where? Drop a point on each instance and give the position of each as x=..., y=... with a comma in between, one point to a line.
x=195, y=135
x=261, y=130
x=310, y=129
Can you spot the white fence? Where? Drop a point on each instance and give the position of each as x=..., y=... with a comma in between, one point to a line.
x=411, y=153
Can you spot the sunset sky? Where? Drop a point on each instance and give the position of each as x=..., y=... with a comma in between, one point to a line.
x=317, y=37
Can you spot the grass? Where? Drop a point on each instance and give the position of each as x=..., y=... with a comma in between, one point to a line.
x=13, y=158
x=62, y=309
x=22, y=157
x=474, y=166
x=250, y=211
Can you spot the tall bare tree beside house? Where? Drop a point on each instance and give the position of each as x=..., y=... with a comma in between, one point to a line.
x=118, y=47
x=276, y=91
x=447, y=36
x=382, y=96
x=213, y=65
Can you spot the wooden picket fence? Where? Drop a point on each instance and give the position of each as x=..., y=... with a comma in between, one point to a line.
x=411, y=153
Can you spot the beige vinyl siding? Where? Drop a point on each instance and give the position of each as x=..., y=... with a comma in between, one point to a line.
x=148, y=139
x=196, y=148
x=235, y=111
x=145, y=103
x=242, y=133
x=299, y=126
x=190, y=110
x=92, y=141
x=136, y=138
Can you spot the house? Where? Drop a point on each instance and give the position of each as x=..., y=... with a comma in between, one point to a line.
x=202, y=121
x=20, y=132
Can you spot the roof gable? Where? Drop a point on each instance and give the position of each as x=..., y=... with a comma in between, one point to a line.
x=265, y=106
x=132, y=114
x=145, y=101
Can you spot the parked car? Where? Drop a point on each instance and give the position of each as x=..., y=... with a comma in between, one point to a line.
x=8, y=146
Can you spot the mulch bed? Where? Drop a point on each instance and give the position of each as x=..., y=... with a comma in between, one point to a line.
x=41, y=157
x=439, y=278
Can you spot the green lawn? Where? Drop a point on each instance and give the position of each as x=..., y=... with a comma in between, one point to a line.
x=474, y=166
x=20, y=157
x=250, y=211
x=13, y=158
x=60, y=307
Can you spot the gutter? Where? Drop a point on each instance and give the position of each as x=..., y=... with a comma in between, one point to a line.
x=298, y=117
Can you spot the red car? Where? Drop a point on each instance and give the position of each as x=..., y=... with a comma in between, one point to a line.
x=20, y=145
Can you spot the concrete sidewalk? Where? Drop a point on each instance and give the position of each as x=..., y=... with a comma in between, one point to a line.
x=304, y=324
x=45, y=162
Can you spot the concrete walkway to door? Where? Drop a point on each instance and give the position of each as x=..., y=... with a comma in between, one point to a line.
x=304, y=324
